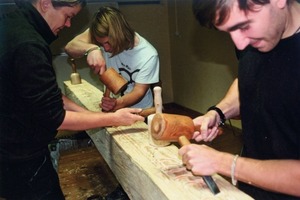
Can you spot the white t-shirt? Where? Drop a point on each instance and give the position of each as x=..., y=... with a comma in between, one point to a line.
x=137, y=65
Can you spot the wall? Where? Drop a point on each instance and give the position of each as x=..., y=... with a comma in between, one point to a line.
x=151, y=21
x=203, y=61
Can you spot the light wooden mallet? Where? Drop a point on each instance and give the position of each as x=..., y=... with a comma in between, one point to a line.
x=157, y=91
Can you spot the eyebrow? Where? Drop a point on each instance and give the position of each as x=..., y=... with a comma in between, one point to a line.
x=238, y=26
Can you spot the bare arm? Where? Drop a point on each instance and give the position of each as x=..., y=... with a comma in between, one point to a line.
x=79, y=45
x=127, y=100
x=71, y=106
x=230, y=106
x=88, y=120
x=275, y=175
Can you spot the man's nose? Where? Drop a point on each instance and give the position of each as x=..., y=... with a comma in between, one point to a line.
x=240, y=40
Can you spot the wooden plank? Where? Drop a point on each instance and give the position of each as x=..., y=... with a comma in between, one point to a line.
x=144, y=171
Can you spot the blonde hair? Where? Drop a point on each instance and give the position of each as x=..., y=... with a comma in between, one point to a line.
x=110, y=22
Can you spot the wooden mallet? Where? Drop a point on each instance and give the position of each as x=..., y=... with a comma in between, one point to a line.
x=113, y=81
x=75, y=77
x=173, y=128
x=157, y=91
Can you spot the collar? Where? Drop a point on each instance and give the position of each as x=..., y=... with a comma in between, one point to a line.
x=38, y=22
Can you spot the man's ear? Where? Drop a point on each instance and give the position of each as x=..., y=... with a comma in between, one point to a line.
x=45, y=5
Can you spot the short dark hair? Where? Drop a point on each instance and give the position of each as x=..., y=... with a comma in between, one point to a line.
x=207, y=11
x=69, y=3
x=56, y=3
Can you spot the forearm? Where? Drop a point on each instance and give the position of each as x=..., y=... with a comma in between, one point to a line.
x=77, y=49
x=86, y=120
x=133, y=97
x=275, y=175
x=127, y=100
x=230, y=104
x=89, y=120
x=71, y=106
x=78, y=46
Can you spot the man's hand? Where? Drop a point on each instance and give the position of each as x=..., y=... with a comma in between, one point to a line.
x=127, y=116
x=200, y=159
x=209, y=127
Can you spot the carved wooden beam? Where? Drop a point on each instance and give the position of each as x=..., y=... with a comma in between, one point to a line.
x=145, y=171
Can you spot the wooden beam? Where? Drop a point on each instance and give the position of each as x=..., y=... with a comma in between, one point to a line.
x=144, y=171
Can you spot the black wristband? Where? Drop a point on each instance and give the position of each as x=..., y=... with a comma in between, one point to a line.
x=220, y=113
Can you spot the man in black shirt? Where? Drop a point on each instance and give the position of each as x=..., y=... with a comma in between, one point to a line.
x=265, y=96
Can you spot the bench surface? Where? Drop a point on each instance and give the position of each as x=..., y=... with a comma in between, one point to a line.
x=145, y=171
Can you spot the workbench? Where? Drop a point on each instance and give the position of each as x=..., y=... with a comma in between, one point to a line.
x=145, y=171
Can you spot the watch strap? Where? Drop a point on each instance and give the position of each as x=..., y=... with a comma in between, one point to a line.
x=220, y=113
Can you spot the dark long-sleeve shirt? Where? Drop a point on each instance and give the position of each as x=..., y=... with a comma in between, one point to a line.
x=31, y=107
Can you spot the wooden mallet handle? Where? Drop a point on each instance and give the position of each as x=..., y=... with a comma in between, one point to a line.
x=106, y=92
x=157, y=99
x=147, y=111
x=182, y=140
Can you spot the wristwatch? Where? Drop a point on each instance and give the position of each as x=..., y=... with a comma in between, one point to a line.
x=220, y=113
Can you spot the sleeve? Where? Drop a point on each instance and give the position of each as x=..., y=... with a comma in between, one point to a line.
x=36, y=85
x=149, y=72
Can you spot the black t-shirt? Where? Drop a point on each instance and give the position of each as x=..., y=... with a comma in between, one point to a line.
x=269, y=89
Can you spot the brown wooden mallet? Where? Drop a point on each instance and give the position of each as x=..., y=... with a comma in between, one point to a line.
x=113, y=81
x=170, y=127
x=173, y=128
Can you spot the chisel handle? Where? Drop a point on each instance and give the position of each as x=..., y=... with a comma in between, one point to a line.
x=209, y=181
